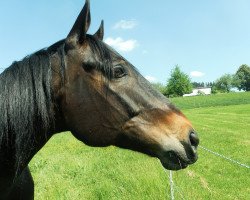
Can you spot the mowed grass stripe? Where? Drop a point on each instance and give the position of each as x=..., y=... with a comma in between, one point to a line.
x=227, y=120
x=212, y=100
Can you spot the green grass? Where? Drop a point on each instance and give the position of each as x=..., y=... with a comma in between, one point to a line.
x=212, y=100
x=67, y=169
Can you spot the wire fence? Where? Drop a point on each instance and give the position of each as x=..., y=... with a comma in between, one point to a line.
x=225, y=157
x=174, y=188
x=171, y=185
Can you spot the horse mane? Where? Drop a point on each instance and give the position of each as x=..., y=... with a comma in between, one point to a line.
x=26, y=103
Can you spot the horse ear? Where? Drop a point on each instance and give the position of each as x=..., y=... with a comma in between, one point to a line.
x=100, y=32
x=81, y=26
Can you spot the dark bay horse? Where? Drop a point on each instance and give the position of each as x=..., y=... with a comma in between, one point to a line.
x=81, y=85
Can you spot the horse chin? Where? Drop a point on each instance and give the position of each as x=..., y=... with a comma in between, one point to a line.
x=173, y=161
x=173, y=166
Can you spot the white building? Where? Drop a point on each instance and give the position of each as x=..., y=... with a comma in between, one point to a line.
x=199, y=91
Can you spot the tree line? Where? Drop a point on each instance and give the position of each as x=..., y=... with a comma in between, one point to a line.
x=180, y=83
x=239, y=80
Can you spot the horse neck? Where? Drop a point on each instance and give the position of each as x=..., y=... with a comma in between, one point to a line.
x=13, y=158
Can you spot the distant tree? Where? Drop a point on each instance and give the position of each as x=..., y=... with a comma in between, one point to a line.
x=236, y=82
x=196, y=84
x=224, y=84
x=202, y=84
x=242, y=78
x=160, y=87
x=210, y=84
x=178, y=84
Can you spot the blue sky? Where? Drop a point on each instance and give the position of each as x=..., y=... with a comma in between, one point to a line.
x=206, y=38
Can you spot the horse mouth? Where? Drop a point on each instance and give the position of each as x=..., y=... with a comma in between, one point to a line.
x=173, y=161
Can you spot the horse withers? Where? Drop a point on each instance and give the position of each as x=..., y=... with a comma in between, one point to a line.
x=82, y=85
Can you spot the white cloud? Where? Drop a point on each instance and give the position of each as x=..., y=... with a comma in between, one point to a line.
x=151, y=79
x=121, y=44
x=125, y=24
x=197, y=74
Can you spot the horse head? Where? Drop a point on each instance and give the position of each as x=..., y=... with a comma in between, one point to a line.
x=104, y=101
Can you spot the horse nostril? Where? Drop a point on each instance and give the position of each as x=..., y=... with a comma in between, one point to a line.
x=194, y=140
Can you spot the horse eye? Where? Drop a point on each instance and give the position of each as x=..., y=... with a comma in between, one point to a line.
x=119, y=72
x=88, y=67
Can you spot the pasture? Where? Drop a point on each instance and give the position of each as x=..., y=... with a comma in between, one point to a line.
x=67, y=169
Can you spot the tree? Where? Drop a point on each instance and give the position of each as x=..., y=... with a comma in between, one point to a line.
x=202, y=84
x=243, y=78
x=160, y=87
x=196, y=84
x=178, y=84
x=224, y=84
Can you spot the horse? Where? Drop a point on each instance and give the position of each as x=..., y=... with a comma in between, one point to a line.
x=82, y=85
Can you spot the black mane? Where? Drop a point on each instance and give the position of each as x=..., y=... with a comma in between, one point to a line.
x=25, y=103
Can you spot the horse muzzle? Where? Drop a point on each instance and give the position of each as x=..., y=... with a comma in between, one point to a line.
x=181, y=155
x=168, y=136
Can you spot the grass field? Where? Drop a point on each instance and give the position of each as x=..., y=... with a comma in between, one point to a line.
x=67, y=169
x=212, y=100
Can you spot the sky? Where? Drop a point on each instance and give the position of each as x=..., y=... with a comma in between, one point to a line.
x=205, y=38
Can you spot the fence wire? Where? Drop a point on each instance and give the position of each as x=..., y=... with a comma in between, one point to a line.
x=225, y=157
x=173, y=187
